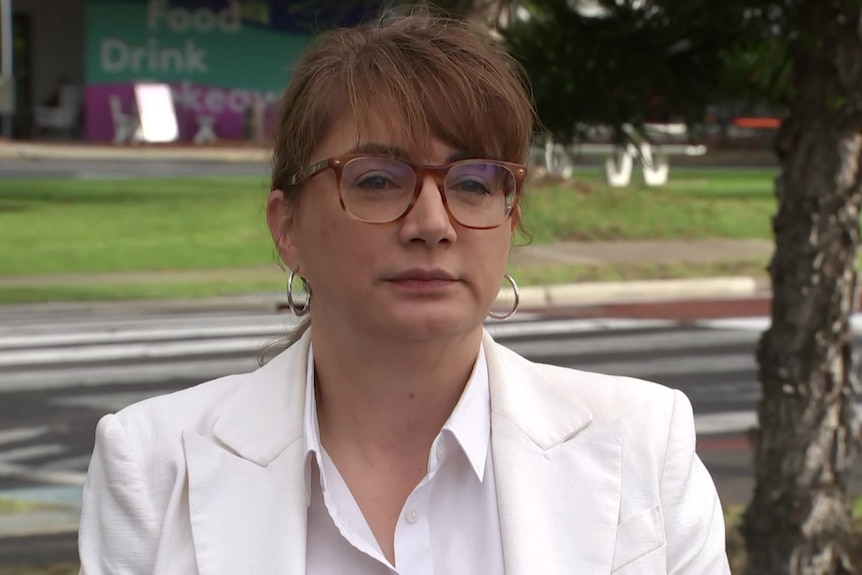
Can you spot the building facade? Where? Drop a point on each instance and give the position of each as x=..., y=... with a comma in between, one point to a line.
x=224, y=60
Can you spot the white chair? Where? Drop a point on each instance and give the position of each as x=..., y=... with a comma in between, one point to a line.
x=206, y=129
x=126, y=125
x=62, y=118
x=655, y=165
x=618, y=166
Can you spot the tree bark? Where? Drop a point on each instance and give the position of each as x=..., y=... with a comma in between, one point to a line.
x=798, y=521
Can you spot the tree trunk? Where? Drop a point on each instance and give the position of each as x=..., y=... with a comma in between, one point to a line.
x=798, y=521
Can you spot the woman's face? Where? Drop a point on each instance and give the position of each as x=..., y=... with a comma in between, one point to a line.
x=421, y=277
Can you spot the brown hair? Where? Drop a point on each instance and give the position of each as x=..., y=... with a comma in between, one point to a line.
x=422, y=74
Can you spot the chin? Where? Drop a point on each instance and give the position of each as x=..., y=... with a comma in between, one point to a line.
x=428, y=322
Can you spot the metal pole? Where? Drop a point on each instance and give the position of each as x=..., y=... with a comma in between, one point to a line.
x=6, y=63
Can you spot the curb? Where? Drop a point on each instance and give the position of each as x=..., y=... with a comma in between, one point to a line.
x=531, y=297
x=35, y=152
x=632, y=291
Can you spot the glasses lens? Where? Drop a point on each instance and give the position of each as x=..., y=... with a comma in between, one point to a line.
x=480, y=193
x=376, y=190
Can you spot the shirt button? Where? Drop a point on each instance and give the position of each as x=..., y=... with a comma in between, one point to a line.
x=440, y=453
x=412, y=516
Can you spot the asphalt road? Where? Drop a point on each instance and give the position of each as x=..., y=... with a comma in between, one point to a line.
x=121, y=169
x=59, y=374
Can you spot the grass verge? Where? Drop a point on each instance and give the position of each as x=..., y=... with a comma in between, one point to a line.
x=695, y=204
x=8, y=505
x=91, y=226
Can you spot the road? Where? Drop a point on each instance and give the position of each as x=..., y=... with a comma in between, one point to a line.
x=123, y=169
x=60, y=373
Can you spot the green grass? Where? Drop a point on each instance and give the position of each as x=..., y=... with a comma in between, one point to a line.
x=77, y=226
x=695, y=204
x=8, y=505
x=70, y=226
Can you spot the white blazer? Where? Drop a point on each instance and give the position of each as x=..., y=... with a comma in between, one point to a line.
x=595, y=475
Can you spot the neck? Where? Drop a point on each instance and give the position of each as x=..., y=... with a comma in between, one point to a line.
x=391, y=395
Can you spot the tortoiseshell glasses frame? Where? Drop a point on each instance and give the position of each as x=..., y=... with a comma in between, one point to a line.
x=420, y=173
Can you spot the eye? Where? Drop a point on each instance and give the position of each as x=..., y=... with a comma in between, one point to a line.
x=378, y=181
x=472, y=186
x=374, y=181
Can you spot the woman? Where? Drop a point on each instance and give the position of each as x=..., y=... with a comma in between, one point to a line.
x=393, y=435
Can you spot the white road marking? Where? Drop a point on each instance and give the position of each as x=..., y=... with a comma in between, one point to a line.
x=35, y=475
x=18, y=434
x=114, y=336
x=105, y=402
x=30, y=452
x=196, y=371
x=13, y=357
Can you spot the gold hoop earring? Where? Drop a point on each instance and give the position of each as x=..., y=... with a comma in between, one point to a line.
x=517, y=293
x=291, y=304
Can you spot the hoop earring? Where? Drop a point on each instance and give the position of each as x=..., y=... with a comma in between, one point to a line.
x=517, y=293
x=291, y=304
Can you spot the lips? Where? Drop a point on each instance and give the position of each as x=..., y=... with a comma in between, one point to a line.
x=422, y=275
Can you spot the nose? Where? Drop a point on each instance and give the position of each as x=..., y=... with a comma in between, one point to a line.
x=428, y=221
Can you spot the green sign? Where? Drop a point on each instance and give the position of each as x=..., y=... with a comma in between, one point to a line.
x=131, y=41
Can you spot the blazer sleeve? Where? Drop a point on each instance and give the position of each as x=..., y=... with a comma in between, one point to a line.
x=118, y=532
x=693, y=517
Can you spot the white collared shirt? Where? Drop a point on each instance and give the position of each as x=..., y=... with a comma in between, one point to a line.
x=449, y=524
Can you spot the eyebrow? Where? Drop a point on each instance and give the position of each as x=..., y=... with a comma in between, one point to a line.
x=393, y=151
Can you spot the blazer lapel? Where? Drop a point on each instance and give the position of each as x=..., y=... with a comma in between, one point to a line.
x=247, y=498
x=558, y=474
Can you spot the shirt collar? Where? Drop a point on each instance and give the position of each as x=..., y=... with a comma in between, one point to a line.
x=469, y=423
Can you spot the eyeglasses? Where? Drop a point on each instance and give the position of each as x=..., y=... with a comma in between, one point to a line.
x=477, y=194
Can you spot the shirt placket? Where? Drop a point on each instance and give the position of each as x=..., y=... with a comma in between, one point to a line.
x=413, y=554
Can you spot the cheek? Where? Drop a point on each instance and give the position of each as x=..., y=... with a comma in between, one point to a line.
x=491, y=254
x=318, y=236
x=499, y=245
x=337, y=250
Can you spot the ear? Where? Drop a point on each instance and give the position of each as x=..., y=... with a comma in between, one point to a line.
x=280, y=216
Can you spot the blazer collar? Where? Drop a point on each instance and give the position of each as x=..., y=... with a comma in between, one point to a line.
x=265, y=414
x=540, y=407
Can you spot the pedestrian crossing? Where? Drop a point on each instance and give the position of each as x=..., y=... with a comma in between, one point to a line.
x=56, y=380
